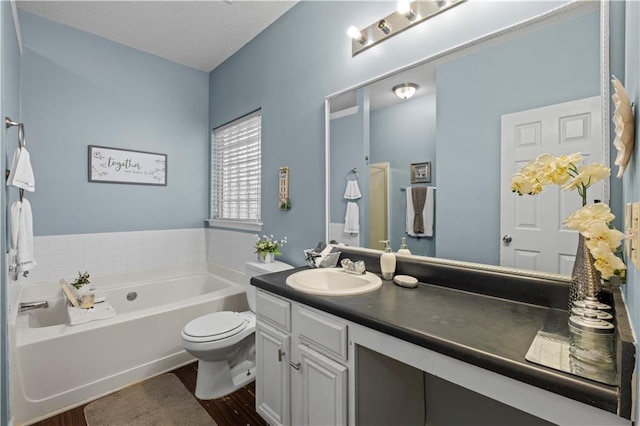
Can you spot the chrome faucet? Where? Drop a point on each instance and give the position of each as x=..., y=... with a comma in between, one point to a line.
x=28, y=306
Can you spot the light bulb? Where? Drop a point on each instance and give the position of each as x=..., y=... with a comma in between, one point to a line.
x=404, y=8
x=355, y=34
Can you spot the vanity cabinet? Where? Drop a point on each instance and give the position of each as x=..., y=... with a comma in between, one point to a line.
x=272, y=375
x=301, y=357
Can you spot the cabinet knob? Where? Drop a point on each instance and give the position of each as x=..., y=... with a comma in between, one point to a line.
x=281, y=353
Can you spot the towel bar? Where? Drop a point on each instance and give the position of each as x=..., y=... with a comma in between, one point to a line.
x=404, y=188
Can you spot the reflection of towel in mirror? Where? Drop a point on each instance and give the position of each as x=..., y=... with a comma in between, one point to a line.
x=419, y=196
x=425, y=215
x=22, y=234
x=352, y=218
x=352, y=191
x=21, y=173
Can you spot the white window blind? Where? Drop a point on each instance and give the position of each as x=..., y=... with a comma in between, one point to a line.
x=235, y=169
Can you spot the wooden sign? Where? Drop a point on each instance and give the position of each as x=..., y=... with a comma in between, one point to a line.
x=283, y=189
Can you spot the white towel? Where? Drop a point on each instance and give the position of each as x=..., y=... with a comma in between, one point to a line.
x=22, y=234
x=352, y=191
x=99, y=311
x=427, y=214
x=352, y=218
x=21, y=173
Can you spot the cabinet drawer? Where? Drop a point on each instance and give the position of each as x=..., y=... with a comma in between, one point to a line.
x=323, y=333
x=274, y=309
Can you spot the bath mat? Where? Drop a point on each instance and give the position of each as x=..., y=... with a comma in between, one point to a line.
x=161, y=400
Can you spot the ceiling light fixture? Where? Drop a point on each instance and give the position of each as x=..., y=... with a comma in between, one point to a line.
x=405, y=90
x=356, y=34
x=408, y=14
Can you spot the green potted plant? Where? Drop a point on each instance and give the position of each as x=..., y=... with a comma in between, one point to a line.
x=267, y=248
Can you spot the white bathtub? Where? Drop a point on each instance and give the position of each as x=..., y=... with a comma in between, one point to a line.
x=56, y=366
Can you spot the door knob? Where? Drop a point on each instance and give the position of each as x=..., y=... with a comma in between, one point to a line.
x=506, y=239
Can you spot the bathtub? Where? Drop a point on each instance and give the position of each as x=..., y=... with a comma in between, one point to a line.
x=56, y=366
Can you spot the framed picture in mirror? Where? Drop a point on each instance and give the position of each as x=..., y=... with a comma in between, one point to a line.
x=420, y=172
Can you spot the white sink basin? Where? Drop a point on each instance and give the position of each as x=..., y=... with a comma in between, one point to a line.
x=333, y=282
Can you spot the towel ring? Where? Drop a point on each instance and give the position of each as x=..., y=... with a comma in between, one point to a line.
x=21, y=136
x=10, y=123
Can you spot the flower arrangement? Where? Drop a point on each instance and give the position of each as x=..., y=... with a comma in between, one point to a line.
x=593, y=221
x=267, y=244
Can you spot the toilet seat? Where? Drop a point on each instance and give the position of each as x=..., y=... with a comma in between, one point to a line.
x=215, y=326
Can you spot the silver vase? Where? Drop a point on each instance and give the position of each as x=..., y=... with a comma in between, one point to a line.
x=585, y=278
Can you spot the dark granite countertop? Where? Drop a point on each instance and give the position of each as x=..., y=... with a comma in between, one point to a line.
x=486, y=331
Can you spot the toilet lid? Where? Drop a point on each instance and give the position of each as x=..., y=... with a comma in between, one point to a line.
x=216, y=326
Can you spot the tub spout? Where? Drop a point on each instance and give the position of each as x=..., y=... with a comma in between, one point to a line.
x=28, y=306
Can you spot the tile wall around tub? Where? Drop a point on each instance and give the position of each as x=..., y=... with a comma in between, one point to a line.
x=230, y=249
x=62, y=256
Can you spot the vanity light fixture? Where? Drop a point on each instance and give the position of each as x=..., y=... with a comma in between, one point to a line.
x=356, y=34
x=405, y=90
x=407, y=15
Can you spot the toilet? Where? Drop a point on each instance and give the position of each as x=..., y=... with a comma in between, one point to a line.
x=224, y=342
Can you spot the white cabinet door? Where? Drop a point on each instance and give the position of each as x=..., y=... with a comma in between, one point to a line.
x=273, y=386
x=324, y=389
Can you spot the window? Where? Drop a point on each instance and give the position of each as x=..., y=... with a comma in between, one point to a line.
x=235, y=171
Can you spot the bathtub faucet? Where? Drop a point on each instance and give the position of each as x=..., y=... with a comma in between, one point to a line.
x=28, y=306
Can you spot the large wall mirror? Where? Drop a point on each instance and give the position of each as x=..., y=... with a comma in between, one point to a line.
x=473, y=110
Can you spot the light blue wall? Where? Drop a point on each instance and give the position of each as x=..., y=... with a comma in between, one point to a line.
x=80, y=90
x=9, y=106
x=631, y=178
x=468, y=207
x=290, y=68
x=402, y=134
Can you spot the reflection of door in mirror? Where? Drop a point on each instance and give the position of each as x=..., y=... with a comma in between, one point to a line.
x=378, y=204
x=537, y=240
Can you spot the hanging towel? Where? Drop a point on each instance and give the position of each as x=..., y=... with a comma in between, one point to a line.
x=421, y=212
x=352, y=218
x=419, y=196
x=352, y=191
x=22, y=235
x=21, y=172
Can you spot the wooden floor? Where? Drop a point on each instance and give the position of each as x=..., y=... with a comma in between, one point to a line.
x=233, y=410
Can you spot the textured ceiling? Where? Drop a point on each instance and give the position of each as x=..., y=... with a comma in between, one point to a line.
x=198, y=34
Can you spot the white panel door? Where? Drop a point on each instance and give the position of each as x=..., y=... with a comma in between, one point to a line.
x=324, y=389
x=273, y=387
x=533, y=235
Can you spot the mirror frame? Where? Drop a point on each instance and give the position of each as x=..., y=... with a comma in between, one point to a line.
x=606, y=118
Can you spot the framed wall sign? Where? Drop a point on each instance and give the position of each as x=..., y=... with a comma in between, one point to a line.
x=116, y=165
x=421, y=172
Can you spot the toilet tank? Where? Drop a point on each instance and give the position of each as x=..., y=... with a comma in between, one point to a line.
x=252, y=269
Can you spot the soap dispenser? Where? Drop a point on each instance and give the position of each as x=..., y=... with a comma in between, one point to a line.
x=404, y=250
x=387, y=261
